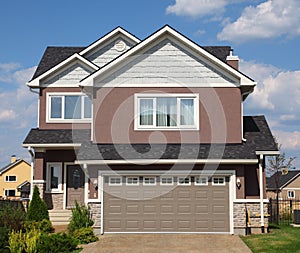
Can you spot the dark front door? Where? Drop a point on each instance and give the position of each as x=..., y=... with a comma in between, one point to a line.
x=75, y=185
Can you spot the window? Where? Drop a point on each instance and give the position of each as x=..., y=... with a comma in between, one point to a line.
x=184, y=181
x=167, y=111
x=218, y=181
x=115, y=181
x=54, y=177
x=72, y=107
x=166, y=181
x=132, y=181
x=201, y=181
x=10, y=178
x=291, y=194
x=10, y=193
x=149, y=181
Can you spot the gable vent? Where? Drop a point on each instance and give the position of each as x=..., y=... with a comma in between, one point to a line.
x=120, y=45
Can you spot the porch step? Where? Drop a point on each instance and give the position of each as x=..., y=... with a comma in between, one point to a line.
x=60, y=217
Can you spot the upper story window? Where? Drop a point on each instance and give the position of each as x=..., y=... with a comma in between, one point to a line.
x=10, y=178
x=68, y=107
x=166, y=111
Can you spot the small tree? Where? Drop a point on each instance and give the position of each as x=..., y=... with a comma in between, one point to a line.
x=37, y=210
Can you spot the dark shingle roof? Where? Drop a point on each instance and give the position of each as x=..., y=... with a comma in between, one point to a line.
x=53, y=56
x=221, y=52
x=282, y=179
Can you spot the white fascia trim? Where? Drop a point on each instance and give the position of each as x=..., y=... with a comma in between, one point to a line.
x=36, y=82
x=53, y=145
x=268, y=153
x=249, y=201
x=168, y=161
x=107, y=37
x=168, y=30
x=40, y=181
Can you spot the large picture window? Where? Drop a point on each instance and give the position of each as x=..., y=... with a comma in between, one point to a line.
x=72, y=107
x=54, y=177
x=167, y=111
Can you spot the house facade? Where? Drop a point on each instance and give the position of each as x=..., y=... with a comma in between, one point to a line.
x=150, y=134
x=287, y=183
x=12, y=177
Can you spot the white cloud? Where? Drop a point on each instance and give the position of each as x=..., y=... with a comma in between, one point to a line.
x=269, y=19
x=197, y=8
x=289, y=140
x=6, y=115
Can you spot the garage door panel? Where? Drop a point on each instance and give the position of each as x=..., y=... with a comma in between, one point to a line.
x=188, y=208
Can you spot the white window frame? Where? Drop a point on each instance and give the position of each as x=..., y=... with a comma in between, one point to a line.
x=166, y=183
x=112, y=182
x=132, y=183
x=179, y=96
x=8, y=176
x=288, y=194
x=183, y=183
x=147, y=182
x=62, y=119
x=5, y=190
x=200, y=182
x=213, y=183
x=48, y=181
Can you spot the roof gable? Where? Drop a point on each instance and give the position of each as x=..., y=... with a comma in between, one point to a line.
x=168, y=33
x=12, y=165
x=283, y=180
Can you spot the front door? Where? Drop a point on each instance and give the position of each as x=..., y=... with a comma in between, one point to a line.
x=75, y=185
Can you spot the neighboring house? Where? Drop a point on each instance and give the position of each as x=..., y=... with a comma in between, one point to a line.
x=288, y=185
x=150, y=134
x=16, y=173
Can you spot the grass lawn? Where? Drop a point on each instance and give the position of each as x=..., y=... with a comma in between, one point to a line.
x=283, y=239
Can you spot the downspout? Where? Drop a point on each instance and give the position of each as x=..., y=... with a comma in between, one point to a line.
x=261, y=193
x=31, y=152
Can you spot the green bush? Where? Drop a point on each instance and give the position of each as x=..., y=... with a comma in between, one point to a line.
x=12, y=217
x=37, y=210
x=56, y=243
x=85, y=235
x=16, y=242
x=27, y=242
x=4, y=236
x=80, y=218
x=45, y=226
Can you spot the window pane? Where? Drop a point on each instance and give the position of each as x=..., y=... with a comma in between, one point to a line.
x=87, y=108
x=72, y=107
x=54, y=177
x=146, y=112
x=166, y=111
x=56, y=105
x=187, y=112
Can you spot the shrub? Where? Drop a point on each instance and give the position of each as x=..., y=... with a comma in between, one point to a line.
x=44, y=226
x=20, y=242
x=4, y=236
x=37, y=210
x=16, y=242
x=80, y=218
x=56, y=243
x=85, y=235
x=12, y=217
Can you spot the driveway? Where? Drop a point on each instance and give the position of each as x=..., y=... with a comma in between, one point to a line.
x=173, y=243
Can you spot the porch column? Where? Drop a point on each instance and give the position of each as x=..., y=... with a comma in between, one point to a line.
x=261, y=192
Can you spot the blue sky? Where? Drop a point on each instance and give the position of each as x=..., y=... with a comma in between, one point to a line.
x=265, y=35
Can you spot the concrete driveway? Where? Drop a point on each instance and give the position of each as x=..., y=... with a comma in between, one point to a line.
x=173, y=243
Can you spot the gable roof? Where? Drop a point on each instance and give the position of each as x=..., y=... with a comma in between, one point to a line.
x=283, y=180
x=11, y=165
x=172, y=33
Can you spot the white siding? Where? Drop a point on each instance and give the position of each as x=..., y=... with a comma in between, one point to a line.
x=68, y=77
x=167, y=63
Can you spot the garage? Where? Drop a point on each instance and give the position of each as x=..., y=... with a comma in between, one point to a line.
x=166, y=204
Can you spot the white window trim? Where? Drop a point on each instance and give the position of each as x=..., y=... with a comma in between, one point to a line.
x=201, y=184
x=161, y=183
x=289, y=192
x=137, y=98
x=9, y=181
x=62, y=119
x=130, y=183
x=178, y=181
x=48, y=183
x=10, y=190
x=114, y=184
x=212, y=181
x=144, y=183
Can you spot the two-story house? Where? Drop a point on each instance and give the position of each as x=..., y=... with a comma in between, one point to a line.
x=13, y=177
x=150, y=134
